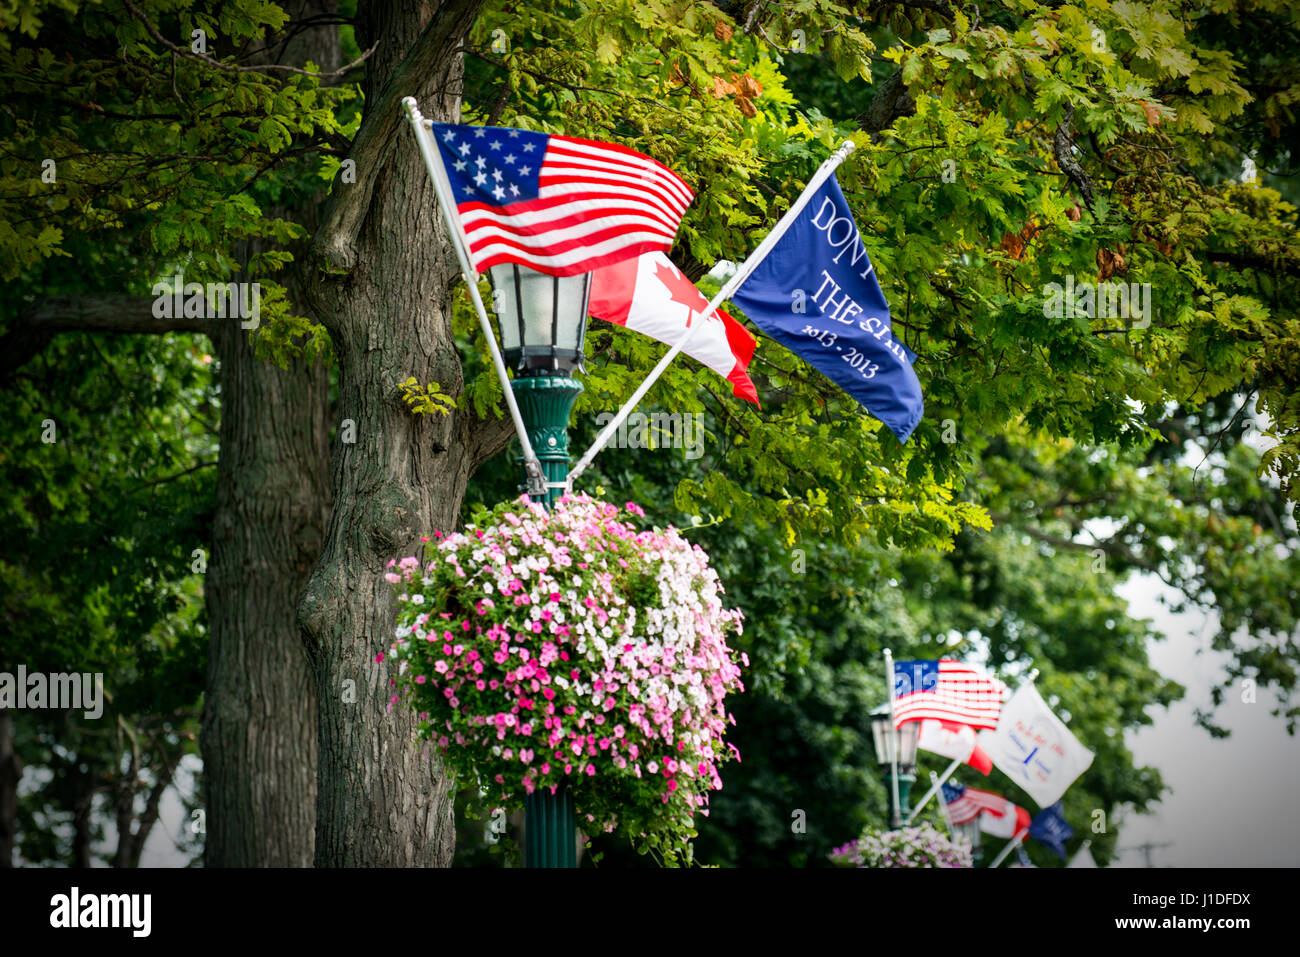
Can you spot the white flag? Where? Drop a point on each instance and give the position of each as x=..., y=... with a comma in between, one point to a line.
x=1034, y=748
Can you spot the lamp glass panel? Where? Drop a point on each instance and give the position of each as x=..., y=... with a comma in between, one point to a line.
x=537, y=295
x=504, y=303
x=907, y=743
x=573, y=311
x=880, y=734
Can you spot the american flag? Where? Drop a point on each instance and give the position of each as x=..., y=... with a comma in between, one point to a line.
x=557, y=204
x=947, y=690
x=966, y=804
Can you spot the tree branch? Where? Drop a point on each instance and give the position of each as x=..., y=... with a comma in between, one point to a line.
x=333, y=246
x=891, y=102
x=486, y=437
x=206, y=59
x=1287, y=266
x=114, y=312
x=1063, y=149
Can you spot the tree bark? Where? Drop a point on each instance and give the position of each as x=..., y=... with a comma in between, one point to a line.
x=383, y=286
x=259, y=716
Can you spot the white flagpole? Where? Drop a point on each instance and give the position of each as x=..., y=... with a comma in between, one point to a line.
x=934, y=789
x=730, y=286
x=1011, y=845
x=935, y=784
x=441, y=185
x=893, y=744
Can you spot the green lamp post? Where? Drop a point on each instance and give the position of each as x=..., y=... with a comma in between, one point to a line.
x=890, y=743
x=543, y=323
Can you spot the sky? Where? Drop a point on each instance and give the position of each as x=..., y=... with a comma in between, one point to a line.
x=1233, y=799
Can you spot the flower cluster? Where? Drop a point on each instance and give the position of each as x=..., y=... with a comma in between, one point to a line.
x=567, y=647
x=921, y=846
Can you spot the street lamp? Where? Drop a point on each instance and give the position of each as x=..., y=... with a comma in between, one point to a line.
x=543, y=323
x=971, y=831
x=890, y=743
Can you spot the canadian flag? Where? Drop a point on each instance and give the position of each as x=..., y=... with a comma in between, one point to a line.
x=1008, y=824
x=650, y=295
x=955, y=741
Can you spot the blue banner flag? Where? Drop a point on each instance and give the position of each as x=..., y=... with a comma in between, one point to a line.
x=1050, y=830
x=816, y=293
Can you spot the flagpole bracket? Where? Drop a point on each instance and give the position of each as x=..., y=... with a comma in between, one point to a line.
x=535, y=479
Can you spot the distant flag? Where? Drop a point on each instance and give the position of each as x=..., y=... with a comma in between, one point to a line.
x=1083, y=857
x=966, y=804
x=1050, y=829
x=961, y=809
x=649, y=295
x=816, y=293
x=1011, y=821
x=1034, y=748
x=948, y=691
x=955, y=741
x=556, y=204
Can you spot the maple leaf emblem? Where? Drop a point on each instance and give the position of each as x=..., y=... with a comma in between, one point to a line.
x=680, y=289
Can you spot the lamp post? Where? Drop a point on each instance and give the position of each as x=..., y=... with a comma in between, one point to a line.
x=971, y=831
x=890, y=742
x=543, y=323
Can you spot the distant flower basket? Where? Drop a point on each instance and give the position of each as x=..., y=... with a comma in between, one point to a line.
x=921, y=846
x=540, y=648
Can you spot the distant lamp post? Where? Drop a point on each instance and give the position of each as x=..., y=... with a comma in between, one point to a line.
x=890, y=742
x=971, y=831
x=543, y=324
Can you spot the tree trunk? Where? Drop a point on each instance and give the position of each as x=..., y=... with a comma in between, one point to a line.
x=259, y=718
x=259, y=722
x=83, y=806
x=384, y=293
x=11, y=770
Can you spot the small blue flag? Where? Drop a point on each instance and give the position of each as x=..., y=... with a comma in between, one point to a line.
x=816, y=293
x=1049, y=829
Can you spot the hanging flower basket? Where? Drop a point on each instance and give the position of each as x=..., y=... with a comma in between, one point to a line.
x=920, y=846
x=541, y=648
